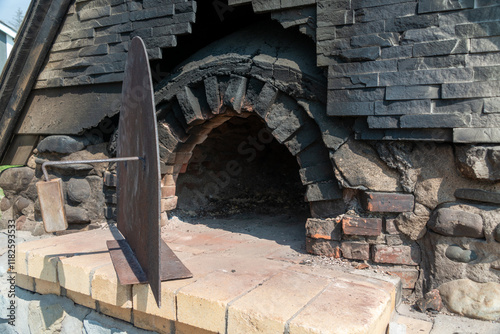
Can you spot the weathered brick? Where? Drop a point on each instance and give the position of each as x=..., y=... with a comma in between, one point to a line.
x=364, y=67
x=355, y=250
x=354, y=81
x=436, y=121
x=426, y=6
x=94, y=13
x=388, y=202
x=323, y=247
x=463, y=106
x=402, y=107
x=235, y=92
x=318, y=173
x=168, y=204
x=361, y=226
x=110, y=179
x=335, y=17
x=408, y=276
x=356, y=4
x=380, y=39
x=95, y=50
x=407, y=255
x=303, y=138
x=329, y=229
x=412, y=92
x=323, y=192
x=327, y=209
x=473, y=89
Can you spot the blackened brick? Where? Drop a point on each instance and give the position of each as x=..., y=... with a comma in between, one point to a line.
x=323, y=247
x=328, y=228
x=355, y=250
x=361, y=226
x=388, y=202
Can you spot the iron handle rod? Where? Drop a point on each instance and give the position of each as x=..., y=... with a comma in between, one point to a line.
x=73, y=162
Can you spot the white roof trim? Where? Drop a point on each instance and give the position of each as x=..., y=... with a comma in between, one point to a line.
x=6, y=29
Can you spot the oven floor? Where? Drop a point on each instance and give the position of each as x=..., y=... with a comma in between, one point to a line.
x=251, y=275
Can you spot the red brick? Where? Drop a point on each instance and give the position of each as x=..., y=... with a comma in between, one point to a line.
x=408, y=276
x=168, y=191
x=323, y=247
x=396, y=254
x=183, y=169
x=168, y=204
x=355, y=250
x=361, y=226
x=328, y=228
x=388, y=202
x=169, y=180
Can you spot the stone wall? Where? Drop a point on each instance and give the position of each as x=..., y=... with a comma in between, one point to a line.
x=397, y=150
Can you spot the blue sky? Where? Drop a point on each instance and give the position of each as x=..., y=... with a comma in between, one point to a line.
x=8, y=9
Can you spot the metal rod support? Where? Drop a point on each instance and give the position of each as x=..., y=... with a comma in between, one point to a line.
x=73, y=162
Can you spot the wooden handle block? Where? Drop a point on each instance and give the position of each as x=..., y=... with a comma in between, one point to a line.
x=51, y=199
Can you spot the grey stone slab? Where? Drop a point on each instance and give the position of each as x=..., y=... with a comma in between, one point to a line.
x=380, y=39
x=260, y=6
x=356, y=4
x=437, y=48
x=485, y=14
x=403, y=107
x=429, y=63
x=383, y=122
x=356, y=95
x=435, y=135
x=483, y=29
x=412, y=92
x=471, y=90
x=95, y=50
x=435, y=121
x=318, y=173
x=386, y=12
x=350, y=108
x=325, y=33
x=470, y=106
x=426, y=6
x=485, y=59
x=397, y=52
x=426, y=77
x=94, y=13
x=486, y=73
x=354, y=81
x=492, y=105
x=164, y=10
x=486, y=3
x=360, y=28
x=325, y=5
x=266, y=99
x=286, y=129
x=476, y=135
x=453, y=324
x=363, y=67
x=405, y=23
x=428, y=34
x=486, y=44
x=329, y=17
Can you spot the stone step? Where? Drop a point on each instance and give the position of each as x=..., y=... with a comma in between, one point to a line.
x=241, y=284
